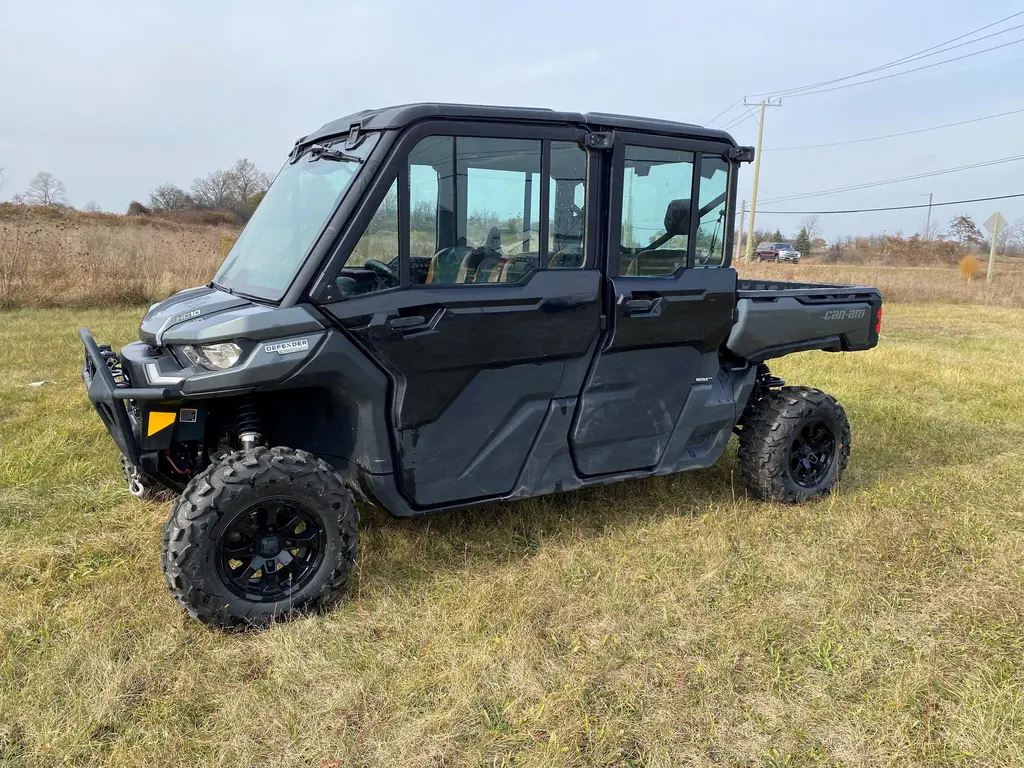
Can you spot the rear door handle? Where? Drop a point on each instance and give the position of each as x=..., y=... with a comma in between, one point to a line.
x=407, y=323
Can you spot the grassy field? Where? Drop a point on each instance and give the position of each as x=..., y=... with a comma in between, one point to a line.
x=669, y=622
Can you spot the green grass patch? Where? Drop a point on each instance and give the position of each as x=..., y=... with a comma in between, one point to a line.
x=666, y=622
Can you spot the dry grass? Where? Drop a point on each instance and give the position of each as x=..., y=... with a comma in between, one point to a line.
x=101, y=259
x=670, y=622
x=52, y=258
x=906, y=284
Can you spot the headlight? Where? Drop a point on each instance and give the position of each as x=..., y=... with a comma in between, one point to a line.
x=216, y=357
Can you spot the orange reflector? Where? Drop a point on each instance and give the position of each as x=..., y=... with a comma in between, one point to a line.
x=159, y=420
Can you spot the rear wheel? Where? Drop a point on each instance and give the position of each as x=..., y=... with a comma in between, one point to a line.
x=794, y=445
x=259, y=536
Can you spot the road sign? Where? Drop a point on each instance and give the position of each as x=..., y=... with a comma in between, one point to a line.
x=995, y=224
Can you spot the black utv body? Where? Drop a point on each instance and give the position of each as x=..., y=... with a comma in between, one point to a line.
x=437, y=306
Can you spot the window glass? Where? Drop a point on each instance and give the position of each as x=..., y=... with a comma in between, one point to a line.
x=373, y=263
x=714, y=178
x=271, y=249
x=425, y=217
x=656, y=188
x=566, y=207
x=476, y=203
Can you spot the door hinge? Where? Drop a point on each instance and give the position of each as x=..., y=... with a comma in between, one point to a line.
x=600, y=140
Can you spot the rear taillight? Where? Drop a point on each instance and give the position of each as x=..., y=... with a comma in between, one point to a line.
x=878, y=323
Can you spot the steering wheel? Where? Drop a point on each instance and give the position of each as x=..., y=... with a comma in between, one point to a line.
x=384, y=271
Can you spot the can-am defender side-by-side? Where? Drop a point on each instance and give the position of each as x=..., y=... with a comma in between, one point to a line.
x=437, y=306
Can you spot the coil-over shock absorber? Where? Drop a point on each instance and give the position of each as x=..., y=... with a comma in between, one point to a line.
x=249, y=424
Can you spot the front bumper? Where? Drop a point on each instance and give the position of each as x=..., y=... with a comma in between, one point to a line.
x=109, y=399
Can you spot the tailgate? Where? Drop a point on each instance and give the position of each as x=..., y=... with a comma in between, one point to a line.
x=778, y=320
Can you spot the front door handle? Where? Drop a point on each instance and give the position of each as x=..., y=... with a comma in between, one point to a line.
x=639, y=306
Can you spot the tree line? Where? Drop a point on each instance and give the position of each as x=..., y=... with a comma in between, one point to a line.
x=962, y=233
x=236, y=190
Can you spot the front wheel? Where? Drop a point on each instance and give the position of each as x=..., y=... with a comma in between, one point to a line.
x=794, y=445
x=259, y=536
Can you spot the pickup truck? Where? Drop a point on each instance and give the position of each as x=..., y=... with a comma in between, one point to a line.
x=439, y=306
x=777, y=252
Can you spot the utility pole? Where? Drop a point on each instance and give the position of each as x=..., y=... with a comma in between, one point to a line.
x=757, y=170
x=928, y=223
x=743, y=218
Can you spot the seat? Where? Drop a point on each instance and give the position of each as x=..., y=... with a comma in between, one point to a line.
x=570, y=257
x=478, y=264
x=445, y=265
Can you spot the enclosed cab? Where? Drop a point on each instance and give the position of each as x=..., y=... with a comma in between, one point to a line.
x=438, y=306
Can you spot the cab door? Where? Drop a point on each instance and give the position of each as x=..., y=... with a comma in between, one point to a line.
x=473, y=292
x=670, y=297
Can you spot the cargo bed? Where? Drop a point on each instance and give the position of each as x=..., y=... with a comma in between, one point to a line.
x=775, y=318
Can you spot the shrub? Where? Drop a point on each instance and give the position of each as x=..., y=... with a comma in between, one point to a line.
x=970, y=267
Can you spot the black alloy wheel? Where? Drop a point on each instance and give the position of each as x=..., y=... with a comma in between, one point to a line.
x=812, y=453
x=270, y=550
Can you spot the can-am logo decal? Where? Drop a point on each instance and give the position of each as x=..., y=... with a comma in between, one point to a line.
x=287, y=347
x=187, y=315
x=845, y=314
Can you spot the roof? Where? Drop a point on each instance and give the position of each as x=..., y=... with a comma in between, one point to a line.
x=405, y=114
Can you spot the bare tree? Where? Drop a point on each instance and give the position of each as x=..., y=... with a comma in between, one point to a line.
x=46, y=189
x=168, y=197
x=813, y=226
x=91, y=207
x=1013, y=237
x=248, y=181
x=18, y=198
x=215, y=192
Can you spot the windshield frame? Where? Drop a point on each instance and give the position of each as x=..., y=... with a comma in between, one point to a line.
x=367, y=144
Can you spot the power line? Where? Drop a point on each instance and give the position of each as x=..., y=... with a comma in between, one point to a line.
x=913, y=177
x=892, y=135
x=931, y=51
x=737, y=121
x=897, y=62
x=709, y=122
x=905, y=71
x=908, y=59
x=897, y=207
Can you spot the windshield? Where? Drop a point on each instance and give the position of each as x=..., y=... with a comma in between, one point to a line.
x=784, y=246
x=272, y=247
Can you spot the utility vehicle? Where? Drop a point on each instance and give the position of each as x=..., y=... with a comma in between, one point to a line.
x=437, y=306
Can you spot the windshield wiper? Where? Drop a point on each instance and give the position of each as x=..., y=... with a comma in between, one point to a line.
x=321, y=152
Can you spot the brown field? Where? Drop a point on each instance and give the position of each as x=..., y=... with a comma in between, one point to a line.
x=57, y=258
x=907, y=284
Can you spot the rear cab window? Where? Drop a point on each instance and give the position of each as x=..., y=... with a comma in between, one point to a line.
x=657, y=215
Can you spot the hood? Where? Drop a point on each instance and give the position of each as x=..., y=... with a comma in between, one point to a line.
x=208, y=315
x=189, y=305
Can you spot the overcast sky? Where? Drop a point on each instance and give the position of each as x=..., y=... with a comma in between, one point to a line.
x=115, y=97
